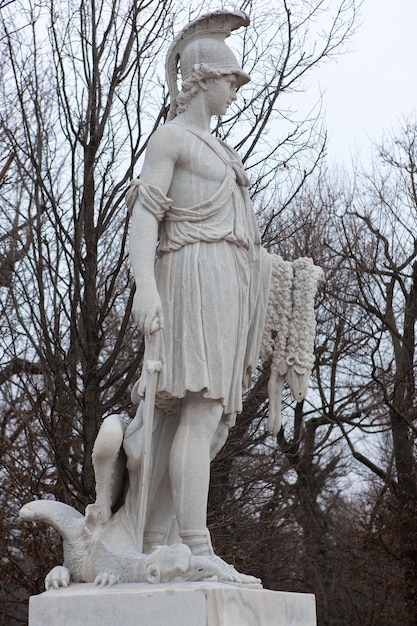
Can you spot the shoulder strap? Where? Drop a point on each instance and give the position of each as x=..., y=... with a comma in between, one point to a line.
x=212, y=143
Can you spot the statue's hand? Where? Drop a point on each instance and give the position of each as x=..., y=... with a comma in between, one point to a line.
x=147, y=310
x=59, y=576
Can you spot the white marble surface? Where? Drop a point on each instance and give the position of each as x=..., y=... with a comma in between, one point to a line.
x=212, y=305
x=181, y=604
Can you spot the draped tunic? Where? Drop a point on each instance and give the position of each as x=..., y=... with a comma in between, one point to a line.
x=213, y=280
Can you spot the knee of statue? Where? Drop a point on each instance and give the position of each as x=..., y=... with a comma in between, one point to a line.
x=109, y=439
x=133, y=447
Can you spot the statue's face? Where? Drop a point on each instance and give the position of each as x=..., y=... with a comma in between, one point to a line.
x=221, y=93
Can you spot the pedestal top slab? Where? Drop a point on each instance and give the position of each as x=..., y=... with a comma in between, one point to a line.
x=171, y=604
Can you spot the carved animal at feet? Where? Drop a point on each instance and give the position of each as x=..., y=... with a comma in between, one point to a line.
x=104, y=554
x=101, y=547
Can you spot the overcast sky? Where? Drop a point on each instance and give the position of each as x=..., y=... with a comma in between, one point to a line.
x=368, y=89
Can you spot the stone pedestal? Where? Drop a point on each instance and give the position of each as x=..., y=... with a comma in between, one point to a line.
x=171, y=604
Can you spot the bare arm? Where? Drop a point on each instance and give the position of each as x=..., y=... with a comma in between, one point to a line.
x=146, y=307
x=158, y=170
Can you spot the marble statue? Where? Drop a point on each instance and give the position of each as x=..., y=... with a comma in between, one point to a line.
x=212, y=305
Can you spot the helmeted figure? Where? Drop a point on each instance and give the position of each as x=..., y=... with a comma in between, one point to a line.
x=211, y=275
x=217, y=303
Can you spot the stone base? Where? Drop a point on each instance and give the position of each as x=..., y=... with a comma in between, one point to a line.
x=171, y=604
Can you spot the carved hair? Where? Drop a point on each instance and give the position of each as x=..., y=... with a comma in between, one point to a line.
x=190, y=88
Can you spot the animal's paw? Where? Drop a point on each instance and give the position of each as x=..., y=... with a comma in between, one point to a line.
x=105, y=579
x=59, y=576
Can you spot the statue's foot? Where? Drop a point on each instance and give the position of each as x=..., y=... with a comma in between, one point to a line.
x=199, y=542
x=226, y=573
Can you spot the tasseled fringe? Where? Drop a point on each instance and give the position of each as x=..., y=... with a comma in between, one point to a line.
x=290, y=324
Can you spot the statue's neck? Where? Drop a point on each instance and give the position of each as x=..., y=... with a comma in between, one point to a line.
x=196, y=116
x=193, y=123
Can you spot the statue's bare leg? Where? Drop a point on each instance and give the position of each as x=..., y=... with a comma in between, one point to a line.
x=219, y=439
x=160, y=515
x=161, y=522
x=189, y=465
x=200, y=432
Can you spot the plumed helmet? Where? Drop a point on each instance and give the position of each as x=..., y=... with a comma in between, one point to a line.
x=202, y=42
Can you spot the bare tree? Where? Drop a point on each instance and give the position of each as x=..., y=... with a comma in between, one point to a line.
x=82, y=90
x=71, y=117
x=380, y=231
